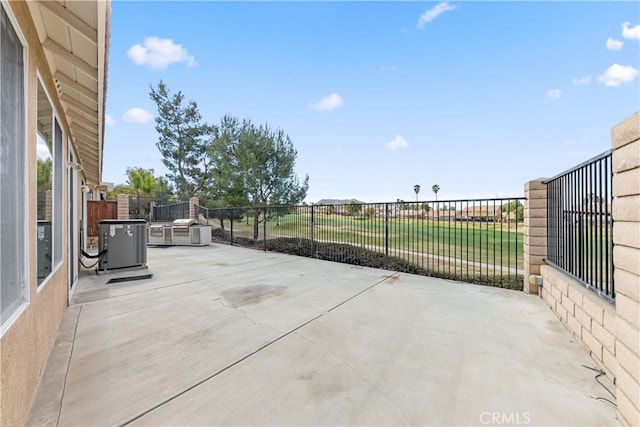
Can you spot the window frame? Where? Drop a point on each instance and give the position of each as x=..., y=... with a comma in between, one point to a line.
x=22, y=199
x=57, y=189
x=40, y=84
x=57, y=198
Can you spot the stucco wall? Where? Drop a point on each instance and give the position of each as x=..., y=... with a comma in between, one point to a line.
x=25, y=346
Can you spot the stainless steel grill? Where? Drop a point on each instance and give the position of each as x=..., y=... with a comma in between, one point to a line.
x=181, y=227
x=183, y=231
x=184, y=223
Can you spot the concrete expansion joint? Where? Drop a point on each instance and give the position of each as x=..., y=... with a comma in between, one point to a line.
x=246, y=316
x=66, y=371
x=356, y=373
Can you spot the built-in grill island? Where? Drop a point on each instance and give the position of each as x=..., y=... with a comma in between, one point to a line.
x=183, y=232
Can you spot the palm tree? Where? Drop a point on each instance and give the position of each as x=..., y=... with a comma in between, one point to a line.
x=435, y=188
x=416, y=188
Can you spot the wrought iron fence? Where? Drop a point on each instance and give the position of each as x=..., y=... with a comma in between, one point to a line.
x=140, y=207
x=579, y=223
x=169, y=213
x=478, y=241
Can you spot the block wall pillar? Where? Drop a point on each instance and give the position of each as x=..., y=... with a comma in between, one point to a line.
x=123, y=206
x=535, y=232
x=193, y=207
x=625, y=142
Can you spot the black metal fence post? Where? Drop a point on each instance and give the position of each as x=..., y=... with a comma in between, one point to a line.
x=231, y=226
x=386, y=232
x=264, y=228
x=313, y=254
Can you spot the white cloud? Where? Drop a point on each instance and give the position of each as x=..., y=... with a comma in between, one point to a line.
x=137, y=115
x=397, y=143
x=108, y=120
x=388, y=68
x=582, y=81
x=630, y=32
x=432, y=14
x=159, y=53
x=618, y=74
x=554, y=93
x=614, y=44
x=328, y=103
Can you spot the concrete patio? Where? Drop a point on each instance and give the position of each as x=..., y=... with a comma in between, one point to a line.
x=223, y=335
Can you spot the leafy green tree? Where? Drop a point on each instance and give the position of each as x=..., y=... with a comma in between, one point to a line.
x=514, y=207
x=120, y=189
x=353, y=207
x=227, y=184
x=143, y=182
x=183, y=141
x=45, y=174
x=329, y=209
x=256, y=164
x=163, y=189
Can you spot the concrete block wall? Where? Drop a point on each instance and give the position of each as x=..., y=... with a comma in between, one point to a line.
x=609, y=332
x=590, y=318
x=625, y=141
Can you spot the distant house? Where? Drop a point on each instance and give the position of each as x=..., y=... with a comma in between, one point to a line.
x=52, y=98
x=482, y=213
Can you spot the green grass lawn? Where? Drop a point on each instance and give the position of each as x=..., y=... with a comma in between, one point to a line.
x=492, y=243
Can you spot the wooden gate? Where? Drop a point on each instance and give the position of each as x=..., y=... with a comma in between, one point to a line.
x=98, y=210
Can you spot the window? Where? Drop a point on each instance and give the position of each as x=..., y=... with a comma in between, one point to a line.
x=13, y=284
x=50, y=171
x=45, y=183
x=58, y=173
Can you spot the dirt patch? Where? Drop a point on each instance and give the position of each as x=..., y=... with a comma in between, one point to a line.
x=251, y=295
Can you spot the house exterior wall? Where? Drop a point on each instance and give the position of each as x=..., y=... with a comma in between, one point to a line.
x=26, y=343
x=610, y=333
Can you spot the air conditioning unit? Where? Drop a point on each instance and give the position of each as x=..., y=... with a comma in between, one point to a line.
x=125, y=242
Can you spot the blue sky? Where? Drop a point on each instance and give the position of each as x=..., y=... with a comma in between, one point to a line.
x=477, y=97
